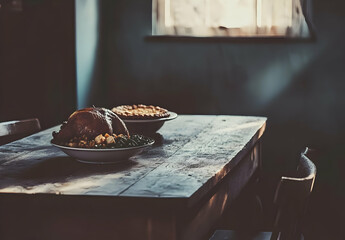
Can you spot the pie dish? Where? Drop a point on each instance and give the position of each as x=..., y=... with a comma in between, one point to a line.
x=143, y=119
x=140, y=112
x=147, y=126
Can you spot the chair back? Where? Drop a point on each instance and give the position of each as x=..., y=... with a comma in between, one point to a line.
x=14, y=130
x=291, y=197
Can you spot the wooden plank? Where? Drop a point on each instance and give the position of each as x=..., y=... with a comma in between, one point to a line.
x=192, y=155
x=201, y=163
x=68, y=217
x=199, y=222
x=14, y=130
x=21, y=171
x=174, y=190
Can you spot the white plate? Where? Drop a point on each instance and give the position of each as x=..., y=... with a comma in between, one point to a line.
x=102, y=156
x=147, y=125
x=171, y=117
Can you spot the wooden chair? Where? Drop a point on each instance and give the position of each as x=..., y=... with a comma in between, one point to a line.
x=291, y=198
x=14, y=130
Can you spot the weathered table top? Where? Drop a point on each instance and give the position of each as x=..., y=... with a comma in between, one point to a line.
x=191, y=155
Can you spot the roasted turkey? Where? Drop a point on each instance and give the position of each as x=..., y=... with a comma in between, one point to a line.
x=90, y=122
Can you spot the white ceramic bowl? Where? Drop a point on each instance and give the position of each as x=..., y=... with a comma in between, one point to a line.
x=102, y=156
x=147, y=126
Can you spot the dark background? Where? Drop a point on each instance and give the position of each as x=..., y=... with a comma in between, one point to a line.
x=56, y=56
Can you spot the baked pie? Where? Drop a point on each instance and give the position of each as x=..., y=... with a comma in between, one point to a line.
x=140, y=112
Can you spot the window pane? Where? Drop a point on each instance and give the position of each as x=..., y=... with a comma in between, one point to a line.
x=228, y=17
x=231, y=14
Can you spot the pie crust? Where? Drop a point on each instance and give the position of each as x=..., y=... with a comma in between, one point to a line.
x=140, y=111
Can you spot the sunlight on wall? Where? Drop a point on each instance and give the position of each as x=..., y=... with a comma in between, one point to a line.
x=86, y=47
x=276, y=77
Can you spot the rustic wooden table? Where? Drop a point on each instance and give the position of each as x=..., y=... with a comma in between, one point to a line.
x=175, y=189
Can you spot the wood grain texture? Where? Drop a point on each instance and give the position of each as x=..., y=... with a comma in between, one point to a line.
x=191, y=155
x=14, y=130
x=176, y=189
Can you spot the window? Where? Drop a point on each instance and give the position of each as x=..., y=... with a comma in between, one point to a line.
x=231, y=18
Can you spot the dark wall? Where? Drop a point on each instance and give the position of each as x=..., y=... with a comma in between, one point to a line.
x=37, y=56
x=299, y=86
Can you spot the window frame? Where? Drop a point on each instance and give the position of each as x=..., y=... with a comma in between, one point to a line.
x=227, y=33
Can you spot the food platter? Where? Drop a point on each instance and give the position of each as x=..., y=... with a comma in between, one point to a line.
x=98, y=135
x=102, y=156
x=147, y=125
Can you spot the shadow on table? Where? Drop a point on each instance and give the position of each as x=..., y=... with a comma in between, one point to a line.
x=32, y=172
x=159, y=139
x=53, y=170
